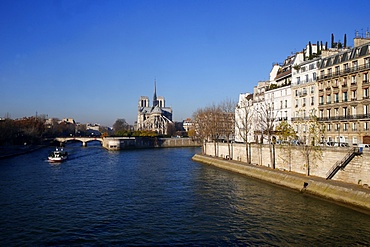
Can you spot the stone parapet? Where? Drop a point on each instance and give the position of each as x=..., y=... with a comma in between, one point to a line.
x=119, y=143
x=292, y=160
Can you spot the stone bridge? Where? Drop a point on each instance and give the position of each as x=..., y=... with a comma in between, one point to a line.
x=84, y=140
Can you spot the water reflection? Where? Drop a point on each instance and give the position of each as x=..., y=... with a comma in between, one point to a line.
x=162, y=197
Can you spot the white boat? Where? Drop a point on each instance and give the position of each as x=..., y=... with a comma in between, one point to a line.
x=58, y=155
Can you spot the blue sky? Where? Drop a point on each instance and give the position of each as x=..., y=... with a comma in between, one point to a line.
x=92, y=60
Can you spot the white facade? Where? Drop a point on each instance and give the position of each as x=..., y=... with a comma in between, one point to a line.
x=280, y=101
x=244, y=116
x=304, y=87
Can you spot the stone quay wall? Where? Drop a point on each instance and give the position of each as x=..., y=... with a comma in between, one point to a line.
x=356, y=172
x=119, y=143
x=350, y=195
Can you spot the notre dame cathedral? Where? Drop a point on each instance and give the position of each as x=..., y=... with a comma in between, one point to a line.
x=155, y=118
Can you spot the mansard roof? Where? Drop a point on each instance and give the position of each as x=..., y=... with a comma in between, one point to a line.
x=347, y=55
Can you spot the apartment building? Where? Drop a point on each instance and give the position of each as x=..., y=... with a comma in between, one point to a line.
x=244, y=116
x=304, y=95
x=343, y=94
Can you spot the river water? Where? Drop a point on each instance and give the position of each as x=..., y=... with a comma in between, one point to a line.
x=159, y=197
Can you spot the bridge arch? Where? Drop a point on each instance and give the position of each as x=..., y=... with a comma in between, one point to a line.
x=84, y=140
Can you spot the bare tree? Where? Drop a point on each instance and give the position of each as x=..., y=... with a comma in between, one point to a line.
x=243, y=125
x=267, y=119
x=286, y=135
x=201, y=126
x=311, y=149
x=227, y=121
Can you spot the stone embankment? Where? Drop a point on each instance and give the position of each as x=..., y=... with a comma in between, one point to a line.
x=348, y=194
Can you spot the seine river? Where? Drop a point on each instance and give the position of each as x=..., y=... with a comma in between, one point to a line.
x=159, y=197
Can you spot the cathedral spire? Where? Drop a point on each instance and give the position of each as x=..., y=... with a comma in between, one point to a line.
x=155, y=100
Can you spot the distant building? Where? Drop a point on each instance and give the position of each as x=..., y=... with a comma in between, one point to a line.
x=92, y=126
x=188, y=124
x=68, y=120
x=156, y=117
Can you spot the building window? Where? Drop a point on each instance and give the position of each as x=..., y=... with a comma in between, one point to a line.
x=367, y=62
x=328, y=99
x=328, y=113
x=337, y=70
x=336, y=83
x=354, y=111
x=354, y=127
x=321, y=100
x=296, y=103
x=353, y=95
x=329, y=127
x=321, y=113
x=344, y=82
x=298, y=80
x=336, y=112
x=366, y=109
x=286, y=103
x=306, y=78
x=314, y=76
x=345, y=96
x=353, y=81
x=336, y=97
x=329, y=72
x=345, y=112
x=312, y=100
x=366, y=93
x=304, y=102
x=345, y=127
x=355, y=65
x=366, y=78
x=366, y=126
x=346, y=67
x=354, y=140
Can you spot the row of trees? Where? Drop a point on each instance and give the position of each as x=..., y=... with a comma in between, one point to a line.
x=16, y=132
x=215, y=123
x=34, y=130
x=256, y=124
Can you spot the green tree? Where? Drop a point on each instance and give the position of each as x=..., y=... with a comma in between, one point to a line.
x=120, y=125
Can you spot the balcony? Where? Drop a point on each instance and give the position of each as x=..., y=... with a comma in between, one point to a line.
x=347, y=117
x=345, y=71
